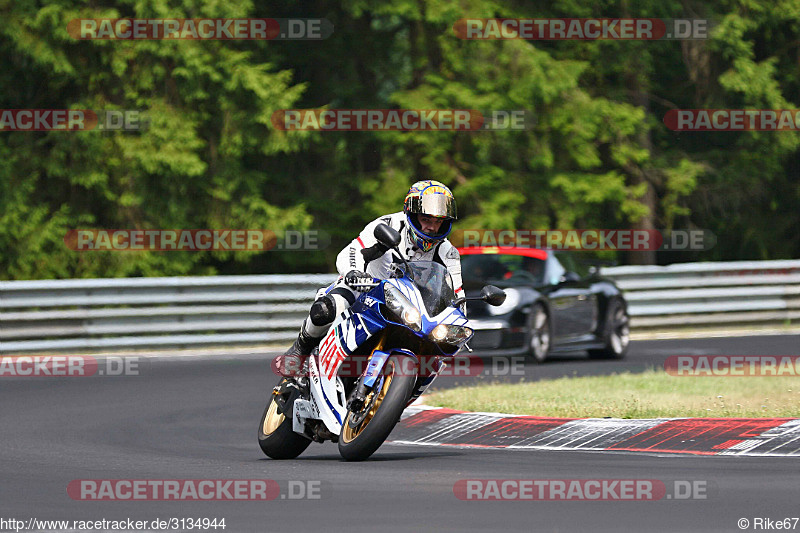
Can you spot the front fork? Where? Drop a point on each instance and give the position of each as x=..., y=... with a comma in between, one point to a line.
x=374, y=370
x=366, y=382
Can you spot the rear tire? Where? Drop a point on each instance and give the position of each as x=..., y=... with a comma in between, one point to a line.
x=357, y=444
x=616, y=334
x=275, y=435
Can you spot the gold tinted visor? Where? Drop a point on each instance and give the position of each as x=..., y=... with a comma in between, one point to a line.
x=437, y=205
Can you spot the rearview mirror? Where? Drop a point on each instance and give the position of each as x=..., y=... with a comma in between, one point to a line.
x=387, y=236
x=493, y=295
x=489, y=294
x=570, y=276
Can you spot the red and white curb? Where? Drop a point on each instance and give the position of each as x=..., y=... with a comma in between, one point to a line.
x=424, y=425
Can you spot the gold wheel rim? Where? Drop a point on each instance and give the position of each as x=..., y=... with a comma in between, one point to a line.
x=349, y=434
x=273, y=419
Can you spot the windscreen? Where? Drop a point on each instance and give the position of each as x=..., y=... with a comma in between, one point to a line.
x=434, y=284
x=501, y=269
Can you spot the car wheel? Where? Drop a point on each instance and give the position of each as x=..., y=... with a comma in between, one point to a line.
x=538, y=338
x=617, y=334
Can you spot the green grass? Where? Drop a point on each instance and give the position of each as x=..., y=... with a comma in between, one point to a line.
x=652, y=394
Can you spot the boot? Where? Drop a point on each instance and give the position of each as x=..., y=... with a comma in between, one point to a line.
x=291, y=362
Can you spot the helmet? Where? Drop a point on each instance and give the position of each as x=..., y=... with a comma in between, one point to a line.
x=431, y=198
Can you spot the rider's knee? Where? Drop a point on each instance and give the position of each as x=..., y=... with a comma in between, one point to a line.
x=325, y=308
x=323, y=311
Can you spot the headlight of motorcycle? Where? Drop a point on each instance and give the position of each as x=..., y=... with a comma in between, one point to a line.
x=451, y=334
x=401, y=307
x=512, y=299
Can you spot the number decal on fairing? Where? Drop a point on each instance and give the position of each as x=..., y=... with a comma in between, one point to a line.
x=330, y=355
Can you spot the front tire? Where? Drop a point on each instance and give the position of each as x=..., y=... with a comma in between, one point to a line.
x=275, y=435
x=616, y=335
x=385, y=406
x=539, y=335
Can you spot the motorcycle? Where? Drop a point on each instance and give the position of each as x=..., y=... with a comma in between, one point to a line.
x=403, y=330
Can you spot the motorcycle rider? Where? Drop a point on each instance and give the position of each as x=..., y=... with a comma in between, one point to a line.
x=427, y=217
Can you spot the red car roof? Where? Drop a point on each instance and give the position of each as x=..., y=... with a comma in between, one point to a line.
x=504, y=250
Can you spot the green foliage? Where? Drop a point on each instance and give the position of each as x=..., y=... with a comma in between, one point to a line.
x=597, y=156
x=199, y=164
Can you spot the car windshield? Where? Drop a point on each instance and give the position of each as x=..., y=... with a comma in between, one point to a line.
x=501, y=269
x=434, y=284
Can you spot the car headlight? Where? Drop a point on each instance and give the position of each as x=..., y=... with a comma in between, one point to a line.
x=451, y=334
x=401, y=307
x=512, y=299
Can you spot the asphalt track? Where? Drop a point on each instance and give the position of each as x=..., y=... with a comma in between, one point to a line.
x=196, y=419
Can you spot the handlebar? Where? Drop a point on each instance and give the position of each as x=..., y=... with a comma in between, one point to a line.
x=360, y=281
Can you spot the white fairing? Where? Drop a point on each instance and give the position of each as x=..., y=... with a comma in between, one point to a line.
x=327, y=390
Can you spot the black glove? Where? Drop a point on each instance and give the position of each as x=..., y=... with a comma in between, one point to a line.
x=359, y=281
x=373, y=252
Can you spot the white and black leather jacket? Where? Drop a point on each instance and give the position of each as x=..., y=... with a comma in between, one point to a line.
x=351, y=257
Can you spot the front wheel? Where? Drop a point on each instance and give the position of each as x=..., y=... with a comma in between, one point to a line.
x=364, y=432
x=538, y=336
x=275, y=435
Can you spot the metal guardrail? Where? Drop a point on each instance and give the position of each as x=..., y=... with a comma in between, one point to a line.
x=184, y=312
x=707, y=295
x=107, y=314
